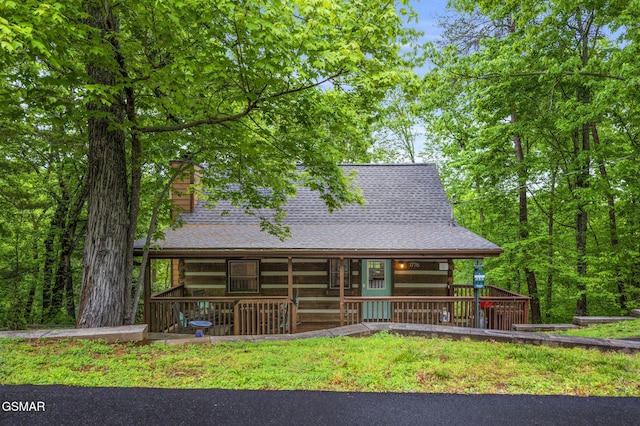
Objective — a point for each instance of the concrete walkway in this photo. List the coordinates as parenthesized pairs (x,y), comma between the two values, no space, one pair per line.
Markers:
(428,331)
(138,333)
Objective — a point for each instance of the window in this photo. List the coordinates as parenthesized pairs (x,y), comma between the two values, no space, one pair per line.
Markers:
(376,274)
(243,276)
(334,273)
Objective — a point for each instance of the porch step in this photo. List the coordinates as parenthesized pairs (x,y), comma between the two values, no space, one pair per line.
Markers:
(543,327)
(599,320)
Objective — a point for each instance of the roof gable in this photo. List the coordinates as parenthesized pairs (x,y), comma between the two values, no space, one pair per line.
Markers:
(406,213)
(399,194)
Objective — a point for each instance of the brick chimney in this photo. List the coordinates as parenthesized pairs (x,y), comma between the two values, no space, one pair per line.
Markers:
(183,196)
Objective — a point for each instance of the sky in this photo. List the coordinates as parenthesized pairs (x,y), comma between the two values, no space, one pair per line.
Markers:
(428,13)
(428,10)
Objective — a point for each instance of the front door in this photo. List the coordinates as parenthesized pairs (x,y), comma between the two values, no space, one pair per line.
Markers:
(377,283)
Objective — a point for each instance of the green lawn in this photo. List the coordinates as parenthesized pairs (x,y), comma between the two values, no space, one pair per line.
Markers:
(616,330)
(384,363)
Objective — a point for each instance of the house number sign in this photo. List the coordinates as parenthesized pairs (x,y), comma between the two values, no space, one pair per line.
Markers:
(415,265)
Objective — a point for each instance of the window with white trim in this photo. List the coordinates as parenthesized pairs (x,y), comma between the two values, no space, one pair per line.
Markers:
(243,276)
(334,273)
(376,274)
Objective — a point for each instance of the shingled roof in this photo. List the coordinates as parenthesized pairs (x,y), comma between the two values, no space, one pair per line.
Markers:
(406,213)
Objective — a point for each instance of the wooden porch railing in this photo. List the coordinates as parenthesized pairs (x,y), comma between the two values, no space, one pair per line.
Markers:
(177,291)
(409,310)
(172,314)
(502,308)
(228,315)
(264,316)
(463,290)
(170,311)
(497,313)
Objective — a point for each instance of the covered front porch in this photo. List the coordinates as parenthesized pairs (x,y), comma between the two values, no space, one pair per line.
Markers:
(172,311)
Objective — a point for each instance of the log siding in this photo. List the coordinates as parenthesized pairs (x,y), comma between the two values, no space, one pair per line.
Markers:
(310,286)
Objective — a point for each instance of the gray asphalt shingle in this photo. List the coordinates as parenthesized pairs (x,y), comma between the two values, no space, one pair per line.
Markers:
(406,209)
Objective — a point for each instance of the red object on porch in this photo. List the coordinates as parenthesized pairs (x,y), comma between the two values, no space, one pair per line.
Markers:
(484,305)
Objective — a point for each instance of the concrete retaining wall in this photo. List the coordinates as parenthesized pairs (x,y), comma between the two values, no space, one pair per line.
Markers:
(435,331)
(126,333)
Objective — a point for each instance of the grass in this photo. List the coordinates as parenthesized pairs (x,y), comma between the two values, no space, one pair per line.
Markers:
(381,363)
(617,330)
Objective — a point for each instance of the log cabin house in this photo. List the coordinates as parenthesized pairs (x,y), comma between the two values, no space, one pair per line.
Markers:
(389,260)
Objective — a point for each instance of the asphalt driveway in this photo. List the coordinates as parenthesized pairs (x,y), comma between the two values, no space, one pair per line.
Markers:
(63,405)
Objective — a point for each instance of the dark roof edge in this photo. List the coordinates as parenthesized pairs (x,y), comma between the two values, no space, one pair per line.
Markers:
(334,253)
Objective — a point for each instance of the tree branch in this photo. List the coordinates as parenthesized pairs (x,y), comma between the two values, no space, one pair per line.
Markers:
(197,123)
(238,116)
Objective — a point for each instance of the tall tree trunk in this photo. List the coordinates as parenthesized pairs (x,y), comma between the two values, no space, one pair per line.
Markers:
(51,253)
(582,183)
(523,232)
(550,253)
(70,303)
(28,310)
(74,230)
(613,227)
(57,293)
(64,277)
(134,205)
(103,299)
(153,225)
(582,152)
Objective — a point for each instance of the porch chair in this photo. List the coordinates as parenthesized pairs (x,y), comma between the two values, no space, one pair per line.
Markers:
(296,302)
(296,298)
(203,308)
(182,323)
(284,315)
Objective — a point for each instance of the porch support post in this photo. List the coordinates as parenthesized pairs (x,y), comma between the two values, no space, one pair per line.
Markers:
(292,312)
(341,272)
(290,278)
(147,293)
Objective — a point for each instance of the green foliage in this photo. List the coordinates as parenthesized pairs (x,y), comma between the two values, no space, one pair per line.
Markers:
(396,129)
(551,76)
(42,193)
(381,363)
(250,89)
(21,216)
